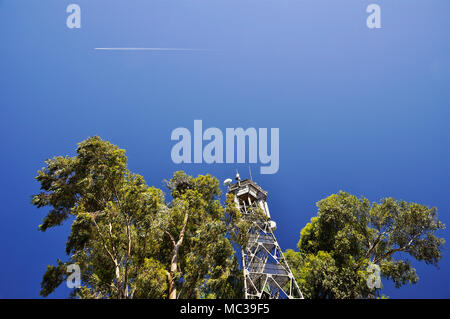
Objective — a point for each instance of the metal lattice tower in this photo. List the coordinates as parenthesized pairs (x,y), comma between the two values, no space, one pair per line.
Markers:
(266,272)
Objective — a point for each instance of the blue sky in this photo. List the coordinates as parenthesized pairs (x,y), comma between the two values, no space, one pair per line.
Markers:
(360,110)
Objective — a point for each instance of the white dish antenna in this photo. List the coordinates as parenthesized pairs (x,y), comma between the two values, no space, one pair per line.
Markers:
(227,182)
(272,225)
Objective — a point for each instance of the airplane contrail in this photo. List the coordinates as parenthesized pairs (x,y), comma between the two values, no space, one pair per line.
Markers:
(146,49)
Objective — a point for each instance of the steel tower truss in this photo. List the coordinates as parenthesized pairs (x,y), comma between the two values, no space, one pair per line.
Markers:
(266,272)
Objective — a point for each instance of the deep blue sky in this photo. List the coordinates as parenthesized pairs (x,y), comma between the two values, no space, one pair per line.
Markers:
(359,110)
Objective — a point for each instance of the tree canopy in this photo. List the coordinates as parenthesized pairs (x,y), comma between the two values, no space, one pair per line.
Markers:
(129,240)
(349,234)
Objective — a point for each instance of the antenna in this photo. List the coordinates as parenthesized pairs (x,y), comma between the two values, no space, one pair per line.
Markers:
(250,171)
(227,182)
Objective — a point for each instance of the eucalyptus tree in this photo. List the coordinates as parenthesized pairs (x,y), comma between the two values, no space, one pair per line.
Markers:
(127,238)
(351,241)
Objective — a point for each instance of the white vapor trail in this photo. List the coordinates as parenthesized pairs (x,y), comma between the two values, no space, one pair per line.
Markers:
(146,49)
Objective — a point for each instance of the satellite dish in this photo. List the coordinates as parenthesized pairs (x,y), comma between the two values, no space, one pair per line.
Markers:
(272,225)
(227,182)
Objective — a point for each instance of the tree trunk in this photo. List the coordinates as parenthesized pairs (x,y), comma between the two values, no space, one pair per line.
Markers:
(119,284)
(173,269)
(174,261)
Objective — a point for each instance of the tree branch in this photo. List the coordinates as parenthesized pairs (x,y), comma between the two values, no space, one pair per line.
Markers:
(114,260)
(170,237)
(389,253)
(377,240)
(127,261)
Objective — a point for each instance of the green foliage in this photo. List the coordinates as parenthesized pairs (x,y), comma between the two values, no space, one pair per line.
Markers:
(53,277)
(127,239)
(151,281)
(336,247)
